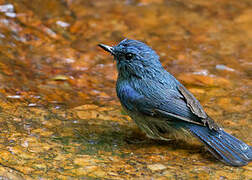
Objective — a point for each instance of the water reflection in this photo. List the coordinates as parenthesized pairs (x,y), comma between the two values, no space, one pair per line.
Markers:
(59,113)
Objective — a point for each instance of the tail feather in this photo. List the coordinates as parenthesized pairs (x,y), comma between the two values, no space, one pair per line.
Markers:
(241,147)
(223,146)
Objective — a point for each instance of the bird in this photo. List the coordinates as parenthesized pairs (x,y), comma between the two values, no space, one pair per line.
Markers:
(160,105)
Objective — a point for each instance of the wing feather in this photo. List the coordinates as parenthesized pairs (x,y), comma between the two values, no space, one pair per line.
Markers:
(171,110)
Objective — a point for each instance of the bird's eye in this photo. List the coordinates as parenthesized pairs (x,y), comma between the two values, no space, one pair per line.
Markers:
(129,56)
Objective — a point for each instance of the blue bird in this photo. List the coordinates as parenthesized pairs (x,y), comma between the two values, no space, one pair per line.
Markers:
(160,105)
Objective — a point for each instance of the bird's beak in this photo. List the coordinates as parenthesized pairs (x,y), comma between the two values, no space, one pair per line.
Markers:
(110,49)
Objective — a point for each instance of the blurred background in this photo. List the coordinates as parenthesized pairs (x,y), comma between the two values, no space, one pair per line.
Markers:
(59,114)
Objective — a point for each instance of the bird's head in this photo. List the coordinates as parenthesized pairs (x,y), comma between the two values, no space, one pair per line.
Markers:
(133,58)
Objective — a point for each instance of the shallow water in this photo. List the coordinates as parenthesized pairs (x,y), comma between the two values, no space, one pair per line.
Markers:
(59,114)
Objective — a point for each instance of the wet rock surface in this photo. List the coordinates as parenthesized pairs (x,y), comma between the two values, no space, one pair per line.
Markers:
(59,114)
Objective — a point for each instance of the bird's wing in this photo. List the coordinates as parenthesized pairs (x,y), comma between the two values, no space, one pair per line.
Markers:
(192,103)
(196,108)
(178,109)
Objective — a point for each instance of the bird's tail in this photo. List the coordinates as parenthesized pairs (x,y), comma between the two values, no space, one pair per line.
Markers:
(223,146)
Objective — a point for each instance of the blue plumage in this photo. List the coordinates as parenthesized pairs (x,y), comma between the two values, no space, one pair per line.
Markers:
(161,105)
(223,146)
